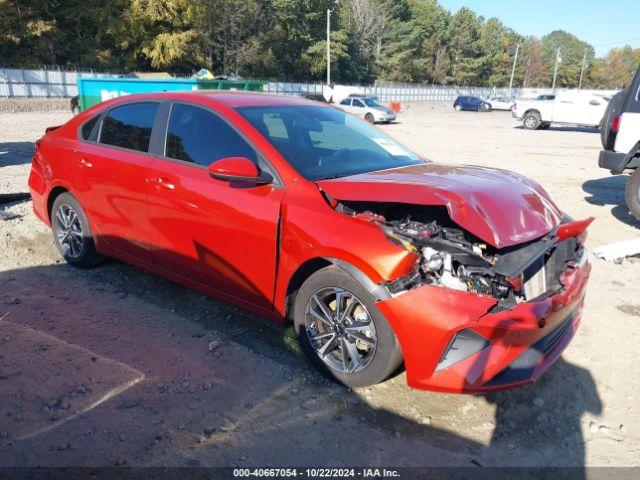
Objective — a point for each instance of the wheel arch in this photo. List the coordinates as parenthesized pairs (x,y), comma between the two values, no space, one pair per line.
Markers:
(532,110)
(309,267)
(51,198)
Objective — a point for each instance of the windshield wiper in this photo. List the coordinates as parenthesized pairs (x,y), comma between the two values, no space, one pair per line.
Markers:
(329,177)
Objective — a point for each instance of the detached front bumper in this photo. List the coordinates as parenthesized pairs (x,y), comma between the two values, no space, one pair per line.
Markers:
(517,345)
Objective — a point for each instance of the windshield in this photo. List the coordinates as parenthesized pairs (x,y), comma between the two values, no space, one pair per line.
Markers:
(324,142)
(370,102)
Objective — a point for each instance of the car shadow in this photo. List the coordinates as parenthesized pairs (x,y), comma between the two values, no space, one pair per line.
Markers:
(551,425)
(566,128)
(610,191)
(15,153)
(265,405)
(261,415)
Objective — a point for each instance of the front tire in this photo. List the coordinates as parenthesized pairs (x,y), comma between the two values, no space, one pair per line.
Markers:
(531,121)
(632,194)
(458,108)
(369,118)
(72,234)
(341,330)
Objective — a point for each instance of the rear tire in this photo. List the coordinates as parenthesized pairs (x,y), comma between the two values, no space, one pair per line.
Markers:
(632,194)
(364,332)
(531,120)
(458,108)
(72,234)
(607,137)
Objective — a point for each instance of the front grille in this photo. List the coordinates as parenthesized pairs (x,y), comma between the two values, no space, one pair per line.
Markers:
(544,273)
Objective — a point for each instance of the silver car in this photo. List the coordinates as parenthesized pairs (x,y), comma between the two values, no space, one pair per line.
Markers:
(369,108)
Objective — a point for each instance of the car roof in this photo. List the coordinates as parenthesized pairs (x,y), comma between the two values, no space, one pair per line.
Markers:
(230,98)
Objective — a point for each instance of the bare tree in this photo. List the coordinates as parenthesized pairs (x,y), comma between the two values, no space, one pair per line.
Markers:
(368,25)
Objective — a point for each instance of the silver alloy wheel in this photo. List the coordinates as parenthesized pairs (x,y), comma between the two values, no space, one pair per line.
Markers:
(340,329)
(69,231)
(530,121)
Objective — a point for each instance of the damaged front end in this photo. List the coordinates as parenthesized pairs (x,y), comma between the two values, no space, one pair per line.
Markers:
(471,317)
(450,257)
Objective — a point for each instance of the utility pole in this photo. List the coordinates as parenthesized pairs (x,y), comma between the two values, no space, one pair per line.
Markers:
(329,10)
(555,71)
(584,63)
(513,70)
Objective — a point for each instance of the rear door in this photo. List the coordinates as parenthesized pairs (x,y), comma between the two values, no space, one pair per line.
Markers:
(594,107)
(566,109)
(112,178)
(218,234)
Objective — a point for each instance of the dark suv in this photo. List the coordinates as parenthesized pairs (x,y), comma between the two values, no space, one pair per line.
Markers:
(473,104)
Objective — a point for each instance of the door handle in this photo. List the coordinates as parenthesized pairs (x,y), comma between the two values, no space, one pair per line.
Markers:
(86,163)
(162,183)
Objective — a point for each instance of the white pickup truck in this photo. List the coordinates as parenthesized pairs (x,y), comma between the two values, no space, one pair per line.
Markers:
(575,108)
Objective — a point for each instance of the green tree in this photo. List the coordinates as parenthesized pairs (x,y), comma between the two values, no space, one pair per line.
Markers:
(572,51)
(466,47)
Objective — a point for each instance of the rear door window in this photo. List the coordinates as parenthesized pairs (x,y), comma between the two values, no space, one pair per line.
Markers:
(87,128)
(198,136)
(129,126)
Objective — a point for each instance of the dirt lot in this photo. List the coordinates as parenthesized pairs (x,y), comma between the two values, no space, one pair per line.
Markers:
(113,366)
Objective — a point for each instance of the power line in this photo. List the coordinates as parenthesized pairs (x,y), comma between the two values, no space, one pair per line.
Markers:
(617,43)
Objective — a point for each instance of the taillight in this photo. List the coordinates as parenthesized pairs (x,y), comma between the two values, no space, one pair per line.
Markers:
(615,126)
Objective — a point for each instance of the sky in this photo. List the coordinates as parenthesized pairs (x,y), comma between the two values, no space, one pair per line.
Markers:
(603,24)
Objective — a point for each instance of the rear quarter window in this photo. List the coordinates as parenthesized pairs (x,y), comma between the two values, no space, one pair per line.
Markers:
(87,127)
(129,126)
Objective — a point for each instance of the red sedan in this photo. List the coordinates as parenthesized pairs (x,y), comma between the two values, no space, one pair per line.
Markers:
(300,212)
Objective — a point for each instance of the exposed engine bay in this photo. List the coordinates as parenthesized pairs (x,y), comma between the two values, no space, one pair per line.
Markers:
(453,258)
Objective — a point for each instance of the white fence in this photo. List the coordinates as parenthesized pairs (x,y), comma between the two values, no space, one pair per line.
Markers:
(390,92)
(18,82)
(52,83)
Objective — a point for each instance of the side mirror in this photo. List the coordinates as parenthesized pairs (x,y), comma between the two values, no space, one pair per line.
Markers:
(238,170)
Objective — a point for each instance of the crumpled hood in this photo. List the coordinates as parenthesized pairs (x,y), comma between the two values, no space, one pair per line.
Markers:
(501,208)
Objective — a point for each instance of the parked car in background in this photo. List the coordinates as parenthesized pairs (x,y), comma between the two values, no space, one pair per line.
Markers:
(318,97)
(303,213)
(368,108)
(546,97)
(575,108)
(473,104)
(501,103)
(620,135)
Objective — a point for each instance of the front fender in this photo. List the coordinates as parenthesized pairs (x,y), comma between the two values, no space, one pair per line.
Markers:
(317,231)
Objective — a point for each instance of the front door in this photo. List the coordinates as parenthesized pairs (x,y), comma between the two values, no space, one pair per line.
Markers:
(357,107)
(218,234)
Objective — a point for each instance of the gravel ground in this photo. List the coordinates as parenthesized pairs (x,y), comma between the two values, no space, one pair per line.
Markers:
(113,366)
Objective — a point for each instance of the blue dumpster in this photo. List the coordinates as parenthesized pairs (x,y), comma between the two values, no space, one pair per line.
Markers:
(96,90)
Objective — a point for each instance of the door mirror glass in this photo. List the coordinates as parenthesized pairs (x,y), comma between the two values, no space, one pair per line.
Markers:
(238,170)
